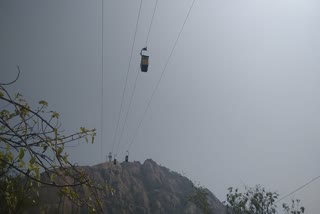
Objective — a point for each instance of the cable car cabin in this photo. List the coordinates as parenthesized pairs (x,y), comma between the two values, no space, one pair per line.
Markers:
(144,61)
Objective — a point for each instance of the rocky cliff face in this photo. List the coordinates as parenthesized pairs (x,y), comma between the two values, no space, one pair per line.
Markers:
(142,188)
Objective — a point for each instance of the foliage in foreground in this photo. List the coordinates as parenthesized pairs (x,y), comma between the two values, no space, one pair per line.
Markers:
(32,156)
(200,199)
(258,201)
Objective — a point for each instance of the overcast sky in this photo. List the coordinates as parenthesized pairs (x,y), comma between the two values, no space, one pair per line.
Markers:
(238,102)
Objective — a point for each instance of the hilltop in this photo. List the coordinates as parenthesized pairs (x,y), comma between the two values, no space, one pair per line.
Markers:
(140,188)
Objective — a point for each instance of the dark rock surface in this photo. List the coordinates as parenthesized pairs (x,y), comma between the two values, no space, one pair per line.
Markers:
(139,188)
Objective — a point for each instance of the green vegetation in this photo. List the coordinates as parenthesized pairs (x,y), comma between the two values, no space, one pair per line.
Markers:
(295,207)
(200,199)
(258,201)
(32,156)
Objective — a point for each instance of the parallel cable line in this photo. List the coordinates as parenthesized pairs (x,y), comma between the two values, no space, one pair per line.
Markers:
(126,117)
(102,67)
(161,76)
(125,86)
(154,11)
(135,82)
(296,190)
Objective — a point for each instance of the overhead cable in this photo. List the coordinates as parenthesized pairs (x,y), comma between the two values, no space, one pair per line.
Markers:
(296,190)
(102,67)
(161,76)
(154,11)
(135,82)
(125,86)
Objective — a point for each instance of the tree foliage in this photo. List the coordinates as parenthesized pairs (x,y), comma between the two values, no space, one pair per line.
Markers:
(295,207)
(200,199)
(257,200)
(32,156)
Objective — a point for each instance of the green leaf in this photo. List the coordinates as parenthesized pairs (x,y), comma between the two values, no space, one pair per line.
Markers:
(9,156)
(53,177)
(83,130)
(43,102)
(32,160)
(4,113)
(55,114)
(65,158)
(37,172)
(45,147)
(1,94)
(12,115)
(59,151)
(21,154)
(92,139)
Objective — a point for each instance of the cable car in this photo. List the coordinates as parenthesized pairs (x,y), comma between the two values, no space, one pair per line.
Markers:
(144,60)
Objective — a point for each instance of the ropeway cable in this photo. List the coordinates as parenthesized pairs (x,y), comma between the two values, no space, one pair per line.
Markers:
(296,190)
(125,86)
(135,82)
(102,67)
(161,76)
(154,11)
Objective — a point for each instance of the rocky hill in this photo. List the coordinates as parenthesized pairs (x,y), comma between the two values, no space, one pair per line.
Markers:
(142,188)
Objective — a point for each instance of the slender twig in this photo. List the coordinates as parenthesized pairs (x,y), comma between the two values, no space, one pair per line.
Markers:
(17,77)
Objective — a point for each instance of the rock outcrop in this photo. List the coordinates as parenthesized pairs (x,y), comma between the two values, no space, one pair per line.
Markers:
(140,188)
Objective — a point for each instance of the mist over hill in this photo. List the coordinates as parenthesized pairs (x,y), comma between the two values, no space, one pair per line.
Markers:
(139,188)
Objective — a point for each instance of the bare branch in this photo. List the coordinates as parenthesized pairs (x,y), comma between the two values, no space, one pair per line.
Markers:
(17,77)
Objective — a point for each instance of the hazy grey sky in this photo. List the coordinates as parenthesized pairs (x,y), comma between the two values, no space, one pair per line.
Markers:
(238,103)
